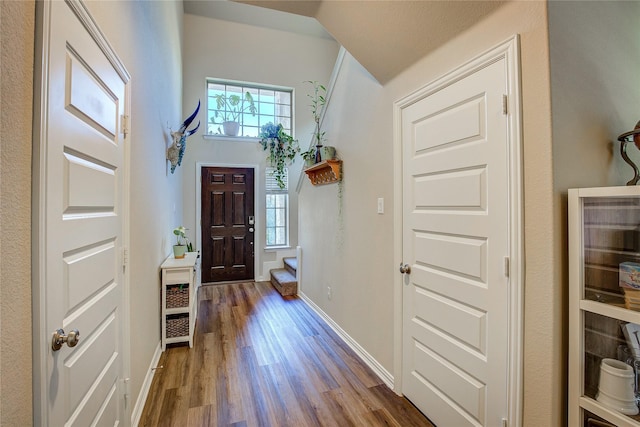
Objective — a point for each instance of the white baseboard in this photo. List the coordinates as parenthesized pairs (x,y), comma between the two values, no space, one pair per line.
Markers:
(146,386)
(369,360)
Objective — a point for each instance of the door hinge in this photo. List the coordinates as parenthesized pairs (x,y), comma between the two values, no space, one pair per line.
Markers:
(505,104)
(124,124)
(126,392)
(507,266)
(125,256)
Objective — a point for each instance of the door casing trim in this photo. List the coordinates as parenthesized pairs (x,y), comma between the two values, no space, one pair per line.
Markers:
(510,51)
(257,192)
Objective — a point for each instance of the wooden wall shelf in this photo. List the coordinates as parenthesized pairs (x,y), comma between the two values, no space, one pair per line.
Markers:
(325,172)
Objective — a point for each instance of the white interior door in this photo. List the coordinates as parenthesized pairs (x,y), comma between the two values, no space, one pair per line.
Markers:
(81,221)
(455,363)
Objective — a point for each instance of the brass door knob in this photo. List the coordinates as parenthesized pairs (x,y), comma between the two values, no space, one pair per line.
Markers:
(59,338)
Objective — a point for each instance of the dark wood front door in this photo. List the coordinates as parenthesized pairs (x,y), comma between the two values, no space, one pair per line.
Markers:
(227,224)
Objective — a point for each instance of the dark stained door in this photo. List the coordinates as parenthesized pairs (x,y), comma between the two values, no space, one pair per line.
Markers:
(227,234)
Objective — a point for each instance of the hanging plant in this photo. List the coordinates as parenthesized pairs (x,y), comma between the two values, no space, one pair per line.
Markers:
(282,149)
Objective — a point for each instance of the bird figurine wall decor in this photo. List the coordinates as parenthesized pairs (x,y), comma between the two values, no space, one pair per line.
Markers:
(176,150)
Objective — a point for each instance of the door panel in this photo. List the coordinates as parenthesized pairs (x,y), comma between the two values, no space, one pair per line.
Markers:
(455,237)
(227,236)
(82,161)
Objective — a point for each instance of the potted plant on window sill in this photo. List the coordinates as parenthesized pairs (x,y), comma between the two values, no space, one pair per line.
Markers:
(180,247)
(282,149)
(230,109)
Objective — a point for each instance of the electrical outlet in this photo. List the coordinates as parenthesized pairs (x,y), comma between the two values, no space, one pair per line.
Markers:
(329,292)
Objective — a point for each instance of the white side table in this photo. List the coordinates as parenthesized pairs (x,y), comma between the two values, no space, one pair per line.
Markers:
(179,298)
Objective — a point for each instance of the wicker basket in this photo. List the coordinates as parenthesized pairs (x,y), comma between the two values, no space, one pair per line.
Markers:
(177,297)
(632,299)
(177,325)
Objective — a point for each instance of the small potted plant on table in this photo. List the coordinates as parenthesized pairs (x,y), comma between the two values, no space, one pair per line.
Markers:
(180,247)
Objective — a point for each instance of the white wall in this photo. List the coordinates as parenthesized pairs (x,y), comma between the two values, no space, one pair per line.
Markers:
(353,250)
(148,38)
(229,50)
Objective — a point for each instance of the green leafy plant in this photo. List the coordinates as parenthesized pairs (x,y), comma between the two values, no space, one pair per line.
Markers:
(309,154)
(318,101)
(181,238)
(231,107)
(282,149)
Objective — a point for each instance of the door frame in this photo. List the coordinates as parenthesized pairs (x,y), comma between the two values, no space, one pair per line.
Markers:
(258,238)
(41,337)
(508,50)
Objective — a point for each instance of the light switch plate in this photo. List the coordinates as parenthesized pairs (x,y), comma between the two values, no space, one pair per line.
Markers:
(380,205)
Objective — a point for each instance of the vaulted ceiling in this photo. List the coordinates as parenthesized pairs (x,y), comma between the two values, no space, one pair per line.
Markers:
(385,36)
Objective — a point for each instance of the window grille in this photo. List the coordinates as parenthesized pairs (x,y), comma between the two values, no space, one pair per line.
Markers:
(272,104)
(277,210)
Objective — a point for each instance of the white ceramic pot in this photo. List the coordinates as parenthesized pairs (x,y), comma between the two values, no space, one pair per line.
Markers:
(616,388)
(231,128)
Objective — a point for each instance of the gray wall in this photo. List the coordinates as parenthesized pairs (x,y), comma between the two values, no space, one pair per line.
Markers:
(16,106)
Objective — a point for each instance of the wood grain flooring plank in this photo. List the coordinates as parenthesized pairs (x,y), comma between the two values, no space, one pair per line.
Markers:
(200,416)
(253,394)
(400,409)
(263,360)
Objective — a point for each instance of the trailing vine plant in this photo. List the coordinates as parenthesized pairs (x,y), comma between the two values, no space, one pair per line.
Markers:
(282,149)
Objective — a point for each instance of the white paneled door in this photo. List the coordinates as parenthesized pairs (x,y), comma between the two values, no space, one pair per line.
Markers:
(456,219)
(80,239)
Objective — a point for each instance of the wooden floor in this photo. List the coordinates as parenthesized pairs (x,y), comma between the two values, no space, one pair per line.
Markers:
(263,360)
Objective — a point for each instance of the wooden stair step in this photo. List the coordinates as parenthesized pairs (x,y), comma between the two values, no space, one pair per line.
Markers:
(291,264)
(284,281)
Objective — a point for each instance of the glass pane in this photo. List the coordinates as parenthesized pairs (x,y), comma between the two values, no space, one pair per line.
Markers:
(592,420)
(250,120)
(271,201)
(265,119)
(285,121)
(283,98)
(281,238)
(280,218)
(216,87)
(213,129)
(234,90)
(281,200)
(253,91)
(283,110)
(271,236)
(266,108)
(611,250)
(251,132)
(271,218)
(267,95)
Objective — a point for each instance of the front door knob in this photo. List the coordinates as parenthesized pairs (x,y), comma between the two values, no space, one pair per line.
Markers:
(59,338)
